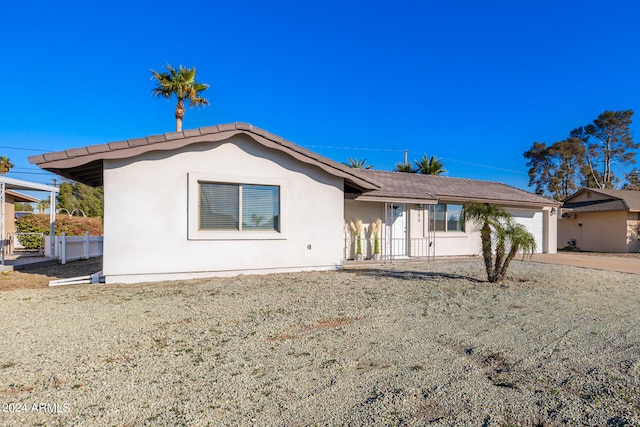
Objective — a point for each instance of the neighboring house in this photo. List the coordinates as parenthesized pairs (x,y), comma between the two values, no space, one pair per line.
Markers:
(233,199)
(10,214)
(594,219)
(7,209)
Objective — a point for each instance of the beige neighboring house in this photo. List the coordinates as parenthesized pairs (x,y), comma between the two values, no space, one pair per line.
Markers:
(10,199)
(601,220)
(235,199)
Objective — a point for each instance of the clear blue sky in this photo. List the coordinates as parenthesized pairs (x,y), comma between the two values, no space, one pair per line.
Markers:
(473,83)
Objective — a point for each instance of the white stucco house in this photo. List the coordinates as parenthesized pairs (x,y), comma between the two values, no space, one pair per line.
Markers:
(235,199)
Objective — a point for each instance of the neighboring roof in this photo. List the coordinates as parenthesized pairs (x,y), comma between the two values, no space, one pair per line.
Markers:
(399,186)
(22,198)
(18,184)
(616,200)
(85,164)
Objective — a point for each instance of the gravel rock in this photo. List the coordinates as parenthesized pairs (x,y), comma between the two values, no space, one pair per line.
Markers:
(402,344)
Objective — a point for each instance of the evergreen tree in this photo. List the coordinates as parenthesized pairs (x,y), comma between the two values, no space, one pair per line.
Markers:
(82,199)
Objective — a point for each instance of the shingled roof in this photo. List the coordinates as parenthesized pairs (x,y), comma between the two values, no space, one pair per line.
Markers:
(614,200)
(420,188)
(85,164)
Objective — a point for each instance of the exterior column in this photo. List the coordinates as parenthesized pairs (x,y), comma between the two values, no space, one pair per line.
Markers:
(2,219)
(52,224)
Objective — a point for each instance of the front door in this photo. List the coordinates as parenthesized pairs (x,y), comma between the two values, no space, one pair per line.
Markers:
(397,231)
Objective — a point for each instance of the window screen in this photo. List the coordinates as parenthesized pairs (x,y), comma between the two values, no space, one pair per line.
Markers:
(260,207)
(448,218)
(222,205)
(219,206)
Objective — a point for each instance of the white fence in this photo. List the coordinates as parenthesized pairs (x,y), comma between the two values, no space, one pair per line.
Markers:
(69,248)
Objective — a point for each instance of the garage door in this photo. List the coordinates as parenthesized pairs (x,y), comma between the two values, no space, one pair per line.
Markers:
(533,221)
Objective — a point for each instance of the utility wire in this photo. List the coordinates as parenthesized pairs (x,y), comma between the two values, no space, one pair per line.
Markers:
(414,152)
(23,149)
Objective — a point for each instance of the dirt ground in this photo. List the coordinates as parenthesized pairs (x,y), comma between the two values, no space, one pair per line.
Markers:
(39,277)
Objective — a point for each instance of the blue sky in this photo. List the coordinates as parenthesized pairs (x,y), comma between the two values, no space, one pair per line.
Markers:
(473,83)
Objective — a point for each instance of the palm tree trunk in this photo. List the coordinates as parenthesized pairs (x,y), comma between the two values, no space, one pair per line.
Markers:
(179,115)
(500,259)
(485,236)
(503,270)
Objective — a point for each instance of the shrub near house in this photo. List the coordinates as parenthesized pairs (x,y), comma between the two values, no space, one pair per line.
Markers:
(73,226)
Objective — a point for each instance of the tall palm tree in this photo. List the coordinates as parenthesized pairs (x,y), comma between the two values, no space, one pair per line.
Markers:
(405,167)
(357,164)
(511,238)
(182,83)
(430,166)
(5,165)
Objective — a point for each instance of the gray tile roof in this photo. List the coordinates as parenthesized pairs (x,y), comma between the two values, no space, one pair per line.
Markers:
(616,200)
(86,164)
(432,187)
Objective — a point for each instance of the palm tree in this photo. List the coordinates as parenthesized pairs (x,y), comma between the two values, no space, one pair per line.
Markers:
(405,167)
(497,224)
(430,166)
(357,164)
(5,165)
(182,83)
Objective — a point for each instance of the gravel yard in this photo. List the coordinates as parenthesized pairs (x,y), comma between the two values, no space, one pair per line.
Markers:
(403,344)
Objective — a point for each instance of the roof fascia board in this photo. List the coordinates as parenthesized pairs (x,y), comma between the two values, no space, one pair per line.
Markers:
(501,202)
(365,198)
(17,184)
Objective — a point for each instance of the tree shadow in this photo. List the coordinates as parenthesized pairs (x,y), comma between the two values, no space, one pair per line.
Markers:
(412,275)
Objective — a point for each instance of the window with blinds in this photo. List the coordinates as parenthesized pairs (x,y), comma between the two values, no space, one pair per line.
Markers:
(240,207)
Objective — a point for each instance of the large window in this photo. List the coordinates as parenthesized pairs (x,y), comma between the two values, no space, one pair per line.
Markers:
(239,207)
(236,207)
(448,218)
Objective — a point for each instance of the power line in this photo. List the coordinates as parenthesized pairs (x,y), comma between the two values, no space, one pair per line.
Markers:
(484,166)
(23,149)
(352,148)
(414,152)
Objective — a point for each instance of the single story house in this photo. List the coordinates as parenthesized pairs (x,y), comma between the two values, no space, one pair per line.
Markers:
(232,199)
(603,220)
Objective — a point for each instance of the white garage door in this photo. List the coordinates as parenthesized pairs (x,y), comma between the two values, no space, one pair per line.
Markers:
(533,220)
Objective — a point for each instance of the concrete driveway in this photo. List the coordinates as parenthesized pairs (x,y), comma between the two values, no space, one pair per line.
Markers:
(623,263)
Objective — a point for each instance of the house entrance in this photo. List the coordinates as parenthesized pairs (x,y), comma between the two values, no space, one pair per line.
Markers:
(397,230)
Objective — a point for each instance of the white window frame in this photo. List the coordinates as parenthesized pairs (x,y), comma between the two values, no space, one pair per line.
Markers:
(194,231)
(446,231)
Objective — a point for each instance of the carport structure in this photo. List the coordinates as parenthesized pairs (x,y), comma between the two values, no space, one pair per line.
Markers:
(16,184)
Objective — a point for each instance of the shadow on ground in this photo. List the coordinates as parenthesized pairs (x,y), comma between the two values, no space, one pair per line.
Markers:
(411,275)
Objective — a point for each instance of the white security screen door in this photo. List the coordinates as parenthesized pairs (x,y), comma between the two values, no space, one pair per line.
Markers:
(397,231)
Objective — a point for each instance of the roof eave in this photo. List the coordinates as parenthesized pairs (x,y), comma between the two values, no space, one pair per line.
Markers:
(65,163)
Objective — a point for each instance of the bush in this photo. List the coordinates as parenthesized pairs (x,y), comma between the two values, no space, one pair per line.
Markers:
(73,226)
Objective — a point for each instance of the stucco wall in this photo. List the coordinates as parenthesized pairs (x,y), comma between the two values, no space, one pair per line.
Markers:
(452,243)
(9,214)
(600,231)
(146,215)
(633,231)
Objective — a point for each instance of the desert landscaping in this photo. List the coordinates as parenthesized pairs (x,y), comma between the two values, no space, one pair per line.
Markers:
(396,344)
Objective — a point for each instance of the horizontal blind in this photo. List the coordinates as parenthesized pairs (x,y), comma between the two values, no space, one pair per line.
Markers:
(219,206)
(260,207)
